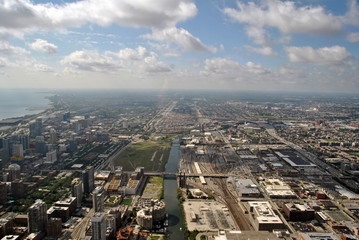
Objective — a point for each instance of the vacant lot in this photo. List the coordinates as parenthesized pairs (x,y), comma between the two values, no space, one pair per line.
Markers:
(143,155)
(153,188)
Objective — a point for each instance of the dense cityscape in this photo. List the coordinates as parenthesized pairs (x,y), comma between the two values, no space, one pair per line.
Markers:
(197,165)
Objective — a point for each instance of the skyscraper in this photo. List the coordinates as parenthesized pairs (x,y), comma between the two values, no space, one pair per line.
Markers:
(37,217)
(98,196)
(98,222)
(3,193)
(88,179)
(53,136)
(77,190)
(17,150)
(14,172)
(24,140)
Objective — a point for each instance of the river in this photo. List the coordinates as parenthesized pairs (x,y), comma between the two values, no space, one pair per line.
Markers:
(175,218)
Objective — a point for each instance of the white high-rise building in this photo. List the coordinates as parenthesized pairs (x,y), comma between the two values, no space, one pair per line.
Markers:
(98,196)
(77,190)
(51,157)
(98,222)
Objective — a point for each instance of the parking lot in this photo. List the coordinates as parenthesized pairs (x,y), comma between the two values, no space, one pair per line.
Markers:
(209,215)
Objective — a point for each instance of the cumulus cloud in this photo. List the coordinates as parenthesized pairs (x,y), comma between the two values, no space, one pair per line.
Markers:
(43,68)
(323,56)
(3,62)
(7,49)
(353,37)
(181,38)
(258,34)
(133,54)
(24,14)
(220,66)
(352,16)
(21,16)
(267,51)
(287,17)
(91,61)
(153,65)
(127,59)
(41,45)
(256,68)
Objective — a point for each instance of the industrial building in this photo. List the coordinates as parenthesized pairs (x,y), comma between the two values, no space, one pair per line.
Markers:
(276,188)
(246,188)
(263,217)
(298,212)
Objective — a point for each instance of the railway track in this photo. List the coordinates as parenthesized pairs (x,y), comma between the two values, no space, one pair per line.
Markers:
(233,207)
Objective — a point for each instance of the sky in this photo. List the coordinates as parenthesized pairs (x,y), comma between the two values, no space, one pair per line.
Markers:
(258,45)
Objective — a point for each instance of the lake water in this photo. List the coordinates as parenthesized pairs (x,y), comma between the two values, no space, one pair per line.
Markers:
(175,218)
(21,102)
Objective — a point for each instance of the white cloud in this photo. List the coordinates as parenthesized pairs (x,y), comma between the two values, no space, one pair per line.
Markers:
(352,16)
(7,49)
(220,66)
(287,17)
(133,60)
(3,62)
(18,17)
(323,56)
(24,14)
(256,68)
(133,54)
(353,37)
(43,68)
(180,37)
(153,65)
(258,34)
(91,61)
(41,45)
(267,51)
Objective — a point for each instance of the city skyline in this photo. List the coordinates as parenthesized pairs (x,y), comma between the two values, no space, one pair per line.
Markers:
(309,45)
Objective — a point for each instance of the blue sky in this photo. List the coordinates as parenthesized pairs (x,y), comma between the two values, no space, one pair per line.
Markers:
(304,45)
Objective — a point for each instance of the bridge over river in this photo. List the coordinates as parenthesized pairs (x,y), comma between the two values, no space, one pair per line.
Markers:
(171,174)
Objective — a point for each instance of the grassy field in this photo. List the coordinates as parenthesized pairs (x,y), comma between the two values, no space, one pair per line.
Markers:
(126,201)
(141,154)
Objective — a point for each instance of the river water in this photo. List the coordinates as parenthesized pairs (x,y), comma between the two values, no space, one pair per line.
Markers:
(175,218)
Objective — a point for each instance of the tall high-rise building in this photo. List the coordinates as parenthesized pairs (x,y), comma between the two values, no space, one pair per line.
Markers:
(98,197)
(32,129)
(38,123)
(3,193)
(53,136)
(35,128)
(41,146)
(73,145)
(88,179)
(37,217)
(77,190)
(53,228)
(5,143)
(25,141)
(98,223)
(17,150)
(14,172)
(17,188)
(51,157)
